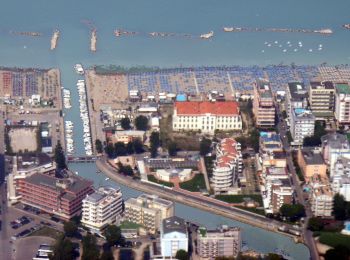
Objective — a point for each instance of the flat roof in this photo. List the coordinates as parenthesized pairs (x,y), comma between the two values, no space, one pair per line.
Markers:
(174,224)
(322,85)
(297,91)
(312,157)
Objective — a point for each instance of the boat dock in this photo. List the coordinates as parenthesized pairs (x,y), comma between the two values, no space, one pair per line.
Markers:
(93,40)
(81,159)
(54,39)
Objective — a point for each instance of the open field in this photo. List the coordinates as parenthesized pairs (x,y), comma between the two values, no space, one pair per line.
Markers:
(333,239)
(24,138)
(154,179)
(196,184)
(47,232)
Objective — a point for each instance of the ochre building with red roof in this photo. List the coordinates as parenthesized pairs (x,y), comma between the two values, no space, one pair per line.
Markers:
(206,116)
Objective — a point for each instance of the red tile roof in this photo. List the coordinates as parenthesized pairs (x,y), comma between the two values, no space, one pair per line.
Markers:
(230,152)
(204,107)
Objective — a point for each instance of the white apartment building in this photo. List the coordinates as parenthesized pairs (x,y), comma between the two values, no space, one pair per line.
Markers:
(321,200)
(296,97)
(206,116)
(302,124)
(334,146)
(148,211)
(224,242)
(227,167)
(340,180)
(342,103)
(173,236)
(101,208)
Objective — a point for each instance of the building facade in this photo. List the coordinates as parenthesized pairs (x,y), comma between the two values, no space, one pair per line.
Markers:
(321,99)
(59,196)
(148,211)
(206,116)
(302,124)
(227,167)
(263,105)
(342,103)
(224,242)
(173,236)
(101,208)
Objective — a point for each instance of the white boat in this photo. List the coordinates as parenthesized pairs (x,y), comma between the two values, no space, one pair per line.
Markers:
(207,35)
(79,69)
(228,29)
(107,179)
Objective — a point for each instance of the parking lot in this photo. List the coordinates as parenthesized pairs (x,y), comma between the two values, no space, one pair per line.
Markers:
(19,224)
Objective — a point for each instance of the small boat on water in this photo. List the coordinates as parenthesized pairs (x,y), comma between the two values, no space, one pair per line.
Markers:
(79,69)
(107,179)
(346,26)
(228,29)
(207,35)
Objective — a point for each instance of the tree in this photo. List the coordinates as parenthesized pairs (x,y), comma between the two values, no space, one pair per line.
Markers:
(109,149)
(292,212)
(120,149)
(63,249)
(172,148)
(70,228)
(155,143)
(126,170)
(315,140)
(141,123)
(90,250)
(338,253)
(138,146)
(99,146)
(205,146)
(130,147)
(315,224)
(182,255)
(107,255)
(60,159)
(339,207)
(125,123)
(273,256)
(113,235)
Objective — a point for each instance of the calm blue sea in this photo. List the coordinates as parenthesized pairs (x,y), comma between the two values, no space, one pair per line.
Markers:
(181,16)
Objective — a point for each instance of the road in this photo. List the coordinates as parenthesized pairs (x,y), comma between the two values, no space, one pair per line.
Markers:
(201,202)
(308,238)
(5,246)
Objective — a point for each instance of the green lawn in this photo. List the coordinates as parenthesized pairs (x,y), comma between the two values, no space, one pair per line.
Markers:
(47,232)
(239,198)
(254,210)
(154,179)
(129,225)
(334,239)
(196,184)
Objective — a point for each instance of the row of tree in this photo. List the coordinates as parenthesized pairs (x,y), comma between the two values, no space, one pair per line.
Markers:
(141,123)
(120,149)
